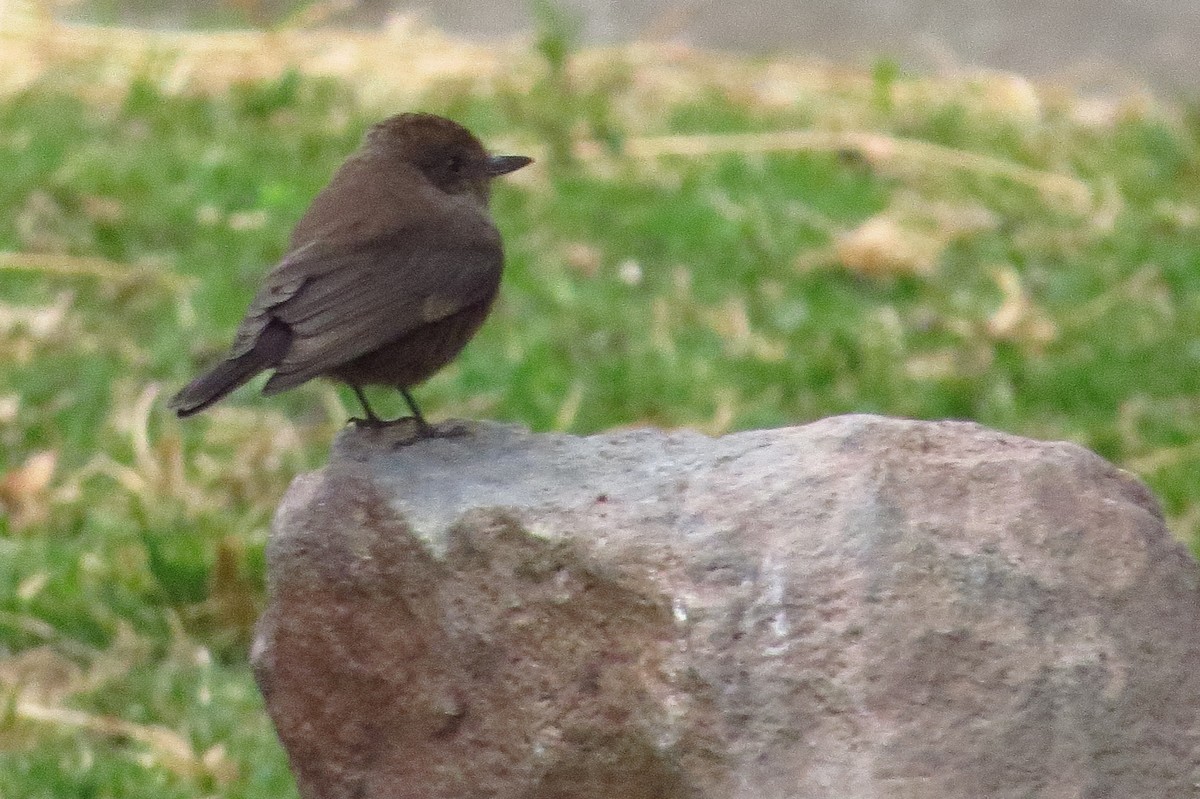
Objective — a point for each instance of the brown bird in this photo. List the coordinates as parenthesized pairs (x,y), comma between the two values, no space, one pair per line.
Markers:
(390,272)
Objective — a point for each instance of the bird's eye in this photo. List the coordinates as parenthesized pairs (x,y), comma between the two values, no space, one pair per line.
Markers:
(455,164)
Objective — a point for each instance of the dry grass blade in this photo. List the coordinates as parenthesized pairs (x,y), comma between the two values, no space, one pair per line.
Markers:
(1163,458)
(167,747)
(96,268)
(1019,319)
(876,148)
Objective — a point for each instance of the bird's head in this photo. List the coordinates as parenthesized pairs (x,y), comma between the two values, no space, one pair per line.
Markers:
(445,152)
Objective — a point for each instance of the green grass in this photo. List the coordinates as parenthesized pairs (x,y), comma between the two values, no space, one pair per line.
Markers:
(687,291)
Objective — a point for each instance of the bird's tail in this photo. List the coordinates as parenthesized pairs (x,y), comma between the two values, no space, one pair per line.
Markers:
(232,372)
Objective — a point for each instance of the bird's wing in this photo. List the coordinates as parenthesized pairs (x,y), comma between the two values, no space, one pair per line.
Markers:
(342,302)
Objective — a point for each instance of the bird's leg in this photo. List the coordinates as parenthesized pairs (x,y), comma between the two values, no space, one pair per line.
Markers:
(372,420)
(426,430)
(423,427)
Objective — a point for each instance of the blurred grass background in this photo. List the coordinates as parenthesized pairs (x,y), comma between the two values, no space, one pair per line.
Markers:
(705,242)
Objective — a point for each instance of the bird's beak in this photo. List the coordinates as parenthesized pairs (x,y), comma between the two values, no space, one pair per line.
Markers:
(503,164)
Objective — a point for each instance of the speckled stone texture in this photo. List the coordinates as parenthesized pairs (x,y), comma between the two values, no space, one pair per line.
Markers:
(860,607)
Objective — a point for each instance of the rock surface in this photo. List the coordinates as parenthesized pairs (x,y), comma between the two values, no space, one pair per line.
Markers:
(860,607)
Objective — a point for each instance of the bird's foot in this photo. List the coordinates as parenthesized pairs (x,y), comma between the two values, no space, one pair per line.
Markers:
(418,430)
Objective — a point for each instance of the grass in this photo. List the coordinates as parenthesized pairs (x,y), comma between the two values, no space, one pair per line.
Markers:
(963,248)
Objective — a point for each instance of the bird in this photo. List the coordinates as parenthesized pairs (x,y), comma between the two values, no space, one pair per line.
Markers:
(388,274)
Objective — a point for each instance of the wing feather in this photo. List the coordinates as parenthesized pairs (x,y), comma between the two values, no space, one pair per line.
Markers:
(342,302)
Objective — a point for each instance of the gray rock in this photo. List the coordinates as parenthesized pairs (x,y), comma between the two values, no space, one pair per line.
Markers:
(861,607)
